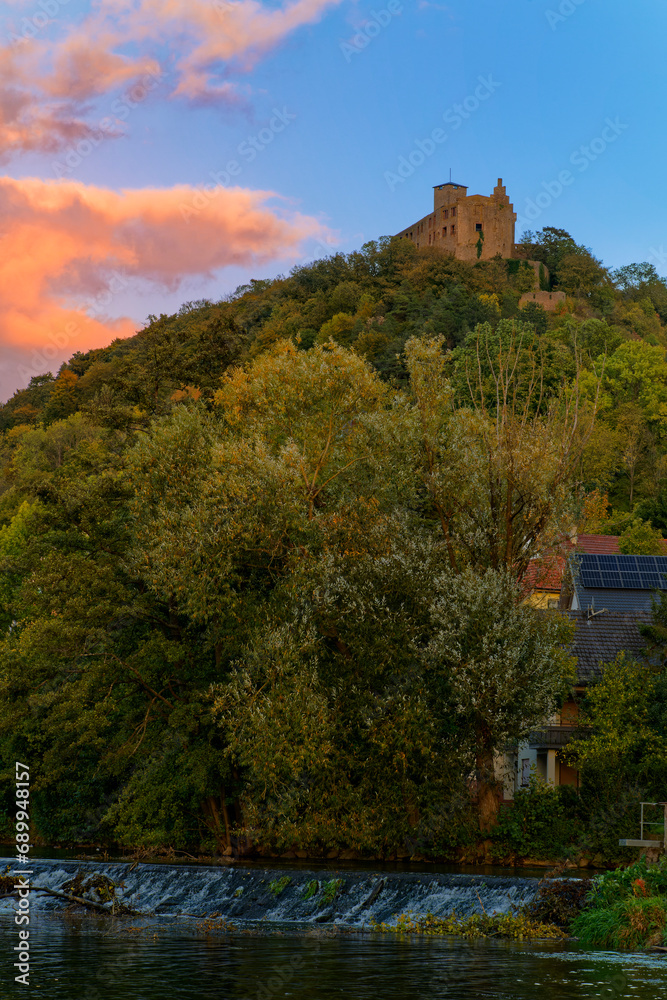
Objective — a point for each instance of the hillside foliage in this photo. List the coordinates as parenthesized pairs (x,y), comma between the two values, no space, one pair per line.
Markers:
(260,564)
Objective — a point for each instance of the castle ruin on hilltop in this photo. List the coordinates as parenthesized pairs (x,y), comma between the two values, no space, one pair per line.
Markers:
(476,227)
(472,227)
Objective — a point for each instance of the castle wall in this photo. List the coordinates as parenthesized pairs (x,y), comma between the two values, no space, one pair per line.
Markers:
(459,220)
(549,301)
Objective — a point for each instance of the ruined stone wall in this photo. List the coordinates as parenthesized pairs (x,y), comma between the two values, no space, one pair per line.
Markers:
(472,227)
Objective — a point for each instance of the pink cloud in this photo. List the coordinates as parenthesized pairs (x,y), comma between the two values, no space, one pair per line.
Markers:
(47,85)
(74,247)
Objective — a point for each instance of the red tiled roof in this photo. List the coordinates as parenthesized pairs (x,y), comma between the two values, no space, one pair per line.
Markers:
(546,573)
(604,545)
(599,545)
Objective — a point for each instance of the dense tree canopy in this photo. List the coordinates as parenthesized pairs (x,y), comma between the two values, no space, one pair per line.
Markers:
(259,564)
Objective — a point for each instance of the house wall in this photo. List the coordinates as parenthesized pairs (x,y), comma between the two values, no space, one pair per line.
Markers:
(544,599)
(545,763)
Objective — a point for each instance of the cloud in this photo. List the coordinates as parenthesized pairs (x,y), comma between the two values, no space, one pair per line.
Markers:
(49,84)
(74,248)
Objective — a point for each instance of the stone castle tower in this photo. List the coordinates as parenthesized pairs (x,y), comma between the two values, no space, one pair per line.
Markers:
(472,227)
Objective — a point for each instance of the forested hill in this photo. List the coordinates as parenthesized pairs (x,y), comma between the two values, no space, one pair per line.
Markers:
(253,558)
(373,301)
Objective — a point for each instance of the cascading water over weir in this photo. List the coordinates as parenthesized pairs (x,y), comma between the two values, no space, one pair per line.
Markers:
(283,896)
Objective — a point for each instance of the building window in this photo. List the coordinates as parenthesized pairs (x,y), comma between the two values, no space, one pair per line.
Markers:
(453,230)
(444,230)
(445,213)
(525,772)
(429,237)
(453,212)
(478,227)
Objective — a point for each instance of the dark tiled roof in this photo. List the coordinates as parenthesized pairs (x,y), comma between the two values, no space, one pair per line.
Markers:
(615,600)
(600,639)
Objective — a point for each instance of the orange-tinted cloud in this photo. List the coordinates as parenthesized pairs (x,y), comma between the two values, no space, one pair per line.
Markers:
(47,84)
(71,249)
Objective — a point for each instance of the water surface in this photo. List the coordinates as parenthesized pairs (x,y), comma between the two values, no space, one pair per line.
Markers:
(83,958)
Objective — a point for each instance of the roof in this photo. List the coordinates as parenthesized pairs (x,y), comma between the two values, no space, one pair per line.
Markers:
(450,184)
(545,574)
(599,544)
(624,572)
(618,582)
(599,640)
(604,544)
(599,598)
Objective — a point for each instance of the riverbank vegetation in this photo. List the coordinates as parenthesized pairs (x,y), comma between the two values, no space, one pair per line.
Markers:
(627,909)
(623,909)
(515,926)
(260,565)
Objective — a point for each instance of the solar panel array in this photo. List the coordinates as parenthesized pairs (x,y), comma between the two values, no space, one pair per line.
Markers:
(623,572)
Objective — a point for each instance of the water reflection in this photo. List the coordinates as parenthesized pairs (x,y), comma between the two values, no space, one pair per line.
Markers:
(80,959)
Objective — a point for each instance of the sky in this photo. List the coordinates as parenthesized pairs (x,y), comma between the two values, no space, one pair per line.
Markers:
(154,152)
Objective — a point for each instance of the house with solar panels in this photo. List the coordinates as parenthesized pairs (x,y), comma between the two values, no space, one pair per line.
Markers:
(608,597)
(613,582)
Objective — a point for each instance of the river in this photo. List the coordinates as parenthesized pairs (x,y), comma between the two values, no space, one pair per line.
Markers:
(291,952)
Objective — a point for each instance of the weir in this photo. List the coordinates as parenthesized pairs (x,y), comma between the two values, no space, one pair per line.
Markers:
(283,896)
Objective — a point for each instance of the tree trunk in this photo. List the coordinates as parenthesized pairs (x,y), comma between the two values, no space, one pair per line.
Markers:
(214,824)
(225,816)
(488,789)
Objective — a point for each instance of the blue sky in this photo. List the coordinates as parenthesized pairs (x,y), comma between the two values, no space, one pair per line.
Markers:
(576,86)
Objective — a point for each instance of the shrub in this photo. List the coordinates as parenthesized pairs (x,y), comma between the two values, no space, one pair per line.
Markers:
(559,900)
(518,926)
(628,908)
(542,823)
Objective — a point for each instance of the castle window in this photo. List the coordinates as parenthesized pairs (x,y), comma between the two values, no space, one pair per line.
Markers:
(444,230)
(453,212)
(445,213)
(453,230)
(478,227)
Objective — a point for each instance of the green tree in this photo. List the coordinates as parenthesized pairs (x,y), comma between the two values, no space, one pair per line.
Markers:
(641,539)
(624,747)
(488,643)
